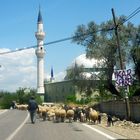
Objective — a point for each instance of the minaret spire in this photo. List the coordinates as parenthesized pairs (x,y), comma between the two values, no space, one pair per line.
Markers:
(51,72)
(52,75)
(39,16)
(40,52)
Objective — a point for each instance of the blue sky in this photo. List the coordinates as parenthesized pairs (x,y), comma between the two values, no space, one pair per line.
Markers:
(60,17)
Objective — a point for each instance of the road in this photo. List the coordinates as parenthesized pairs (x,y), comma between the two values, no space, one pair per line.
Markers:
(16,125)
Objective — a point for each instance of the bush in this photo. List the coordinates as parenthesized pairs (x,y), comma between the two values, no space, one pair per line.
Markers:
(6,100)
(20,97)
(71,98)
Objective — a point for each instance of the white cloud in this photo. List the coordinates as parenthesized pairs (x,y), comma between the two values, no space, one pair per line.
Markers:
(80,60)
(57,76)
(87,63)
(60,76)
(17,69)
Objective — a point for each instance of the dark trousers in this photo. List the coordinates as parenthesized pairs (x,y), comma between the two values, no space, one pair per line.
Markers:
(33,116)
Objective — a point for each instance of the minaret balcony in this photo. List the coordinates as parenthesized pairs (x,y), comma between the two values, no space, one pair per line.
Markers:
(40,53)
(40,35)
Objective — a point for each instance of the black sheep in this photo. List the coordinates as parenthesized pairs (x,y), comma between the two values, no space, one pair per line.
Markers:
(109,120)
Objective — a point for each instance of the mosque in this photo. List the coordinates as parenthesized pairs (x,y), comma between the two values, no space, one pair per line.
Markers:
(53,91)
(57,91)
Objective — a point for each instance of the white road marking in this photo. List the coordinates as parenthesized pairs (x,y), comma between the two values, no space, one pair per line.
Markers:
(100,132)
(16,131)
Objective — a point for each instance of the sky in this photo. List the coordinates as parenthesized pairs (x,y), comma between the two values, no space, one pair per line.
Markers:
(18,25)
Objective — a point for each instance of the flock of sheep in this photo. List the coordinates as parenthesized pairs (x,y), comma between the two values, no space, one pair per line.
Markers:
(62,113)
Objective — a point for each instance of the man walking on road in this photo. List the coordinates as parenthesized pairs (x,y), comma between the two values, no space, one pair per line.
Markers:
(32,107)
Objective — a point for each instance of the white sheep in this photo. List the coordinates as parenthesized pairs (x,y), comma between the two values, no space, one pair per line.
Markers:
(93,115)
(70,115)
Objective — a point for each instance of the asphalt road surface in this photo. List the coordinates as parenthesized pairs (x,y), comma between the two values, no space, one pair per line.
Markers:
(16,125)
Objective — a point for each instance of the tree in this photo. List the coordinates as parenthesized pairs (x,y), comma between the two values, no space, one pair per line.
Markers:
(100,43)
(6,99)
(80,80)
(135,53)
(23,96)
(74,72)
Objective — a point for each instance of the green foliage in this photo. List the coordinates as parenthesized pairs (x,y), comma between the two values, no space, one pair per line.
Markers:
(135,54)
(105,96)
(102,45)
(24,95)
(21,96)
(6,100)
(85,100)
(74,72)
(71,98)
(79,79)
(134,90)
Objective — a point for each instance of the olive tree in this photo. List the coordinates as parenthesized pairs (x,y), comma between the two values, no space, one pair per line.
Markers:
(100,43)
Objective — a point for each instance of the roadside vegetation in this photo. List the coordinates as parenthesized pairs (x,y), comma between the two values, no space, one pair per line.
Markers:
(21,96)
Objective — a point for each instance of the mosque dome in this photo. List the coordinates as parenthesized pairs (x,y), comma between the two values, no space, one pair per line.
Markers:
(86,62)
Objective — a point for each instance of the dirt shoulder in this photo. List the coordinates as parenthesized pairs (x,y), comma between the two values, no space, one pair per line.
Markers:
(125,128)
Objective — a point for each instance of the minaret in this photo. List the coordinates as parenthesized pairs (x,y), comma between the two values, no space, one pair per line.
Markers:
(52,75)
(40,52)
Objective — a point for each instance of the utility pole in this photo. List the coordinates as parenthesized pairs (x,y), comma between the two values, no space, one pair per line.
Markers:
(121,64)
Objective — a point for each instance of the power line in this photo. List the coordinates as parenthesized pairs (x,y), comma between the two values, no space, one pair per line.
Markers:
(56,41)
(135,12)
(69,38)
(17,50)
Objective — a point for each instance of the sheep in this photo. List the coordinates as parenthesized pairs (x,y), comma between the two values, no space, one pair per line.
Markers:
(82,117)
(51,115)
(77,113)
(93,115)
(57,115)
(42,112)
(62,114)
(70,115)
(21,107)
(99,118)
(109,120)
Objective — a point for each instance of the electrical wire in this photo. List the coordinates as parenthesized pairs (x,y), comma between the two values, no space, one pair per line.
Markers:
(135,12)
(56,41)
(132,14)
(17,50)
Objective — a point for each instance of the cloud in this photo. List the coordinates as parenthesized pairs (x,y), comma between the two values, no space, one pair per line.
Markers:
(80,60)
(60,76)
(17,69)
(57,76)
(87,63)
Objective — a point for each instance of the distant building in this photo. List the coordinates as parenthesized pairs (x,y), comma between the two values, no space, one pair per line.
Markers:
(58,91)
